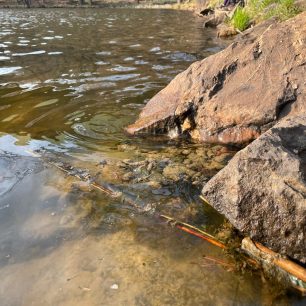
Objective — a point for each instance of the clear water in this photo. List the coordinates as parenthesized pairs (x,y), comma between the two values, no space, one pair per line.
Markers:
(70,81)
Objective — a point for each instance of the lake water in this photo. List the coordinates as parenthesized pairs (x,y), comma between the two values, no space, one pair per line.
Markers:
(70,81)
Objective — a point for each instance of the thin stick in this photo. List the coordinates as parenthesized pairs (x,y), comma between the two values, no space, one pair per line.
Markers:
(212,241)
(203,199)
(188,225)
(94,184)
(219,261)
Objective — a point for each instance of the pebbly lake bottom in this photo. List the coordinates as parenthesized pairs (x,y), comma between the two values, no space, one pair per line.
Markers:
(70,81)
(64,243)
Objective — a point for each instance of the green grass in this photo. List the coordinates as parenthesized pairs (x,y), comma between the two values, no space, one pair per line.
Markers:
(240,19)
(258,10)
(284,9)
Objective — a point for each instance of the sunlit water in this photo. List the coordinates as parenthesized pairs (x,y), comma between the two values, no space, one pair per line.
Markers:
(70,81)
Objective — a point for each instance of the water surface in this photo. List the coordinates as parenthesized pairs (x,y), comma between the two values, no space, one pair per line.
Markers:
(70,81)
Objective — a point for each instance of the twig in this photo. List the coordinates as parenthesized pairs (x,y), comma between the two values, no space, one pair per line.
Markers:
(195,231)
(219,261)
(188,225)
(93,184)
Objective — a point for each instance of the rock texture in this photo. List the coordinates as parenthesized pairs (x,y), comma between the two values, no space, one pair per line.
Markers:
(225,30)
(236,95)
(262,191)
(213,20)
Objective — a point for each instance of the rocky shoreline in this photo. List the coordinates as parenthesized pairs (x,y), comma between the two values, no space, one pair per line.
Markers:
(254,89)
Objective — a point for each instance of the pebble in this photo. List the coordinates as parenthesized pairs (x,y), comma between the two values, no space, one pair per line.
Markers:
(185,152)
(150,167)
(162,191)
(114,287)
(103,162)
(127,177)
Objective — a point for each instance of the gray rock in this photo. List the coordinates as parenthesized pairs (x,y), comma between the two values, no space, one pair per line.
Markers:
(162,191)
(262,191)
(128,176)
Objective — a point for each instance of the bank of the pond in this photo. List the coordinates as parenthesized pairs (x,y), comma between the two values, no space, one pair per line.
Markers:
(231,18)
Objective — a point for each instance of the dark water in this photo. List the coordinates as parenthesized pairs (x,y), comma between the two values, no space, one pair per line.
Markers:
(90,71)
(70,81)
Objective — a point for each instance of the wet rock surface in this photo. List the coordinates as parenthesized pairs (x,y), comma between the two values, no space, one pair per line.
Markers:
(236,95)
(262,191)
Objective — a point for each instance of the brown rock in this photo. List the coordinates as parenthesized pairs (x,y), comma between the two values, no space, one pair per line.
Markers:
(234,96)
(225,30)
(300,4)
(262,191)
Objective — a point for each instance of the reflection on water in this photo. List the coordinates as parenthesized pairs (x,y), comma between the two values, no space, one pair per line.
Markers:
(70,80)
(100,67)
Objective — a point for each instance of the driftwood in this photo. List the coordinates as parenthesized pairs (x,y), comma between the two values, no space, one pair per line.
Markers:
(274,264)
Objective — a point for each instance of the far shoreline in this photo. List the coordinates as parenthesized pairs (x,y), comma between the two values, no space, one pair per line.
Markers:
(122,5)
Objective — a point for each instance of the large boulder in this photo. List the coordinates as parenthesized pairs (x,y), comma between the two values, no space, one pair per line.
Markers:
(237,94)
(262,191)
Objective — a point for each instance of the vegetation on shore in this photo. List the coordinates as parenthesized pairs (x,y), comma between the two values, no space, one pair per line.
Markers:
(255,11)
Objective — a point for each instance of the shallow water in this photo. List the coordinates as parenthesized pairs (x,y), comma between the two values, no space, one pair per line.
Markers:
(70,80)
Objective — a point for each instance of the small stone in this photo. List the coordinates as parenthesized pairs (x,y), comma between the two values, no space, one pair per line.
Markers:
(103,162)
(127,177)
(150,167)
(114,287)
(162,191)
(187,125)
(185,152)
(126,147)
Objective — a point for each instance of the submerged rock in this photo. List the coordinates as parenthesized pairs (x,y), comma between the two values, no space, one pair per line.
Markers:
(262,191)
(234,96)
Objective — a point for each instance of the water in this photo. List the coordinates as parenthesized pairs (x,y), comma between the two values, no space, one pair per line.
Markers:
(70,81)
